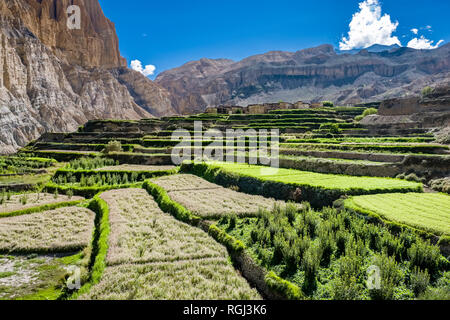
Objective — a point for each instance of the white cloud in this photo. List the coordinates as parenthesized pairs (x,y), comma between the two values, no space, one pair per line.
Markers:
(415,30)
(369,27)
(149,70)
(423,43)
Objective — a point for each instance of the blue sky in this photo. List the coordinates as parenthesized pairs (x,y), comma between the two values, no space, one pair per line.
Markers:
(167,34)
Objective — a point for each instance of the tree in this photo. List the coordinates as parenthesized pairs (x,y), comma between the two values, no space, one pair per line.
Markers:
(427,91)
(328,104)
(113,146)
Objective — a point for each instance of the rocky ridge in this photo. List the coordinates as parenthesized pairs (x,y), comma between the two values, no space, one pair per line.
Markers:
(314,74)
(54,79)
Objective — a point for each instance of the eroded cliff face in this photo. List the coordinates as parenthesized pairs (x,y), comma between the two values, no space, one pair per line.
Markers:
(314,74)
(54,79)
(431,111)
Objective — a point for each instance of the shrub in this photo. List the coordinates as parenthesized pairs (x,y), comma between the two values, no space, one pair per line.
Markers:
(414,177)
(427,91)
(367,112)
(441,185)
(311,263)
(441,294)
(113,146)
(333,128)
(425,256)
(24,199)
(328,104)
(90,163)
(391,277)
(346,289)
(419,281)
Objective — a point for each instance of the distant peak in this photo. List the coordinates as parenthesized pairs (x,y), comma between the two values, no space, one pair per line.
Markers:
(324,48)
(375,48)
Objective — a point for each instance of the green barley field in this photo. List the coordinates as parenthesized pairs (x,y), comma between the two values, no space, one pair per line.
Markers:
(428,211)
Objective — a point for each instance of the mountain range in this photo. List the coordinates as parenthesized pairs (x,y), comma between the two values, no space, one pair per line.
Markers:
(54,79)
(312,75)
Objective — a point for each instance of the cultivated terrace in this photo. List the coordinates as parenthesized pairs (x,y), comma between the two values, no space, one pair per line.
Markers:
(106,208)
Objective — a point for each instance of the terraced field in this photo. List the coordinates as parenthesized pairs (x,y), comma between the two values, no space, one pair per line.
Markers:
(175,261)
(319,189)
(429,212)
(62,230)
(38,240)
(195,194)
(327,181)
(148,242)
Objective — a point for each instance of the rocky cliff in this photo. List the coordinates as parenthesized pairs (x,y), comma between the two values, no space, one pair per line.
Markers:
(53,78)
(314,74)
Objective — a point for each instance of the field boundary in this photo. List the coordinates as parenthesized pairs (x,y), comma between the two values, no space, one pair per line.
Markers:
(45,207)
(168,205)
(87,192)
(99,246)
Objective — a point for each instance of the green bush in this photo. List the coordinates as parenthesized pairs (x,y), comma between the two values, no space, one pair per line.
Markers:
(113,146)
(328,104)
(391,276)
(327,252)
(346,289)
(427,91)
(419,281)
(425,256)
(367,112)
